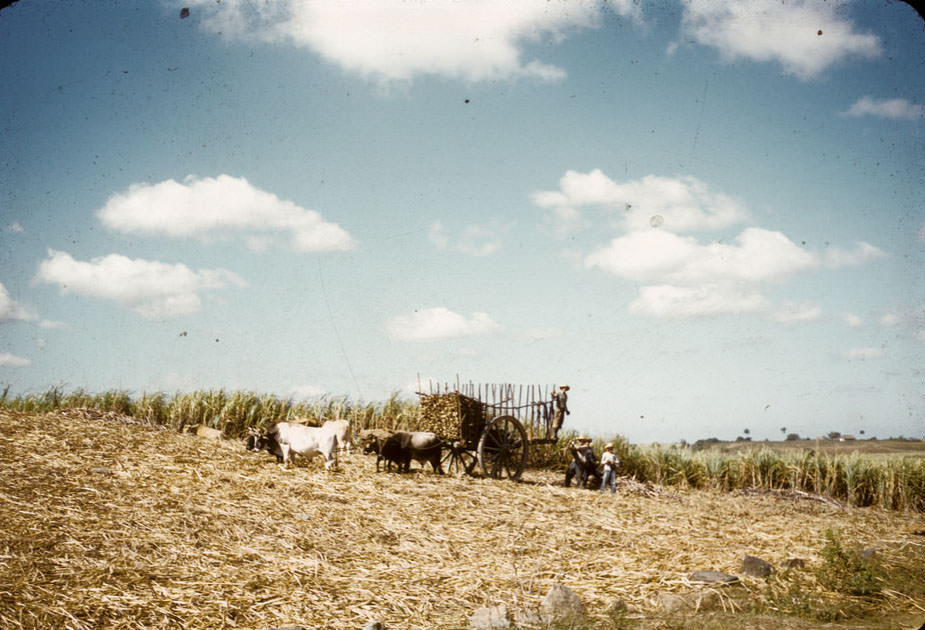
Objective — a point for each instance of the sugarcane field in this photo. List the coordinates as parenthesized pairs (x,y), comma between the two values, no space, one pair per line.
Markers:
(115,520)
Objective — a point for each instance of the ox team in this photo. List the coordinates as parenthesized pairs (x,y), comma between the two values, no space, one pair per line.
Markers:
(285,440)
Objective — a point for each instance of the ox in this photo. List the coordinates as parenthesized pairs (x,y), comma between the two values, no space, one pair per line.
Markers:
(286,440)
(403,446)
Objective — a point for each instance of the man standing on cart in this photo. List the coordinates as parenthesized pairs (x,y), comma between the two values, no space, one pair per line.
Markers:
(560,402)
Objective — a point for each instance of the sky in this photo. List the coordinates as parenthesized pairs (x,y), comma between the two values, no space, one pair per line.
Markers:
(705,217)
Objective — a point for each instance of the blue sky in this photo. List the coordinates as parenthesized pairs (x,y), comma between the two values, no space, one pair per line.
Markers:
(703,216)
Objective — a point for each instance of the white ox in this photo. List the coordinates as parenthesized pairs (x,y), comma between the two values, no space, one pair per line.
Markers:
(287,440)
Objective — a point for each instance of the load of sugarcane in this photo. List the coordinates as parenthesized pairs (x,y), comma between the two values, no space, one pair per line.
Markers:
(453,416)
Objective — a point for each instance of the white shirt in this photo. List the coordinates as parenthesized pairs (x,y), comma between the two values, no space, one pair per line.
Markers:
(609,459)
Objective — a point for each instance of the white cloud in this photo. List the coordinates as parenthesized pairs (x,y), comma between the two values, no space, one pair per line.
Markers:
(863,252)
(792,313)
(852,320)
(152,289)
(474,240)
(438,323)
(862,354)
(697,301)
(890,319)
(920,235)
(679,204)
(11,360)
(477,40)
(805,36)
(218,208)
(757,256)
(15,228)
(11,310)
(893,108)
(683,276)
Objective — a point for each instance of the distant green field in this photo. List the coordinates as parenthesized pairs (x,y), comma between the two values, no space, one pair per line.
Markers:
(889,447)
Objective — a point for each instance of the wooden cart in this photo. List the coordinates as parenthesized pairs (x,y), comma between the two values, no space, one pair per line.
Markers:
(490,426)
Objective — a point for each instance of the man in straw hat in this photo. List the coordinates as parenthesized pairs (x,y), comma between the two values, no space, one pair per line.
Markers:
(610,462)
(583,464)
(560,401)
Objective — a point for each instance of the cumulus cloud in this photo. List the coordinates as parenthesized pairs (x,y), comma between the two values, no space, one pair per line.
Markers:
(892,108)
(152,289)
(438,323)
(474,240)
(11,310)
(805,36)
(11,360)
(690,278)
(684,276)
(676,204)
(862,354)
(477,40)
(219,208)
(757,255)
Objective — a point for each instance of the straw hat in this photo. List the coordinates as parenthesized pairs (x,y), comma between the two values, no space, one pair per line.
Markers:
(564,387)
(608,445)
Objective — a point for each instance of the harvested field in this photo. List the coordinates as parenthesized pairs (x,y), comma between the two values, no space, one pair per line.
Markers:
(113,524)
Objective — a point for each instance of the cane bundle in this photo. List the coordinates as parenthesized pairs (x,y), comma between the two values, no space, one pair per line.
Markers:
(453,416)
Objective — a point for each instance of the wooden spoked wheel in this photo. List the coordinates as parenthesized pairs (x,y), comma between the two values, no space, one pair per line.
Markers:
(457,460)
(502,448)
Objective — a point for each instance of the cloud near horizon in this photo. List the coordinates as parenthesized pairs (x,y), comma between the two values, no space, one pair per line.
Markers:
(438,323)
(219,208)
(394,40)
(806,37)
(152,289)
(9,359)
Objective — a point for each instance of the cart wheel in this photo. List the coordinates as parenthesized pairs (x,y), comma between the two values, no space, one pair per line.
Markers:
(457,461)
(502,448)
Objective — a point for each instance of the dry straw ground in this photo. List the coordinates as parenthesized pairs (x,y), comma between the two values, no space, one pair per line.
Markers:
(108,524)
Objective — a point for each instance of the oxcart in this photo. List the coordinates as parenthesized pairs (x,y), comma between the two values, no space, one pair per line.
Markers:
(489,426)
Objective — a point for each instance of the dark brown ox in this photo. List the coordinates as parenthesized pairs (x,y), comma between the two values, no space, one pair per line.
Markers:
(403,446)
